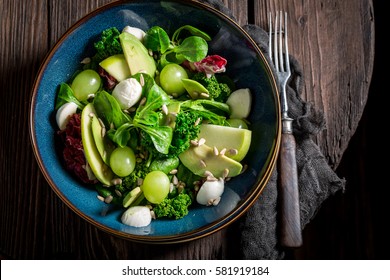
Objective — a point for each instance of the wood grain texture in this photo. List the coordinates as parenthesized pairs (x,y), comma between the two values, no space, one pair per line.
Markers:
(333,41)
(337,69)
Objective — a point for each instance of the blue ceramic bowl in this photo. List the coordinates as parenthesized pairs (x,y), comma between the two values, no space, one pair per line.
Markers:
(246,64)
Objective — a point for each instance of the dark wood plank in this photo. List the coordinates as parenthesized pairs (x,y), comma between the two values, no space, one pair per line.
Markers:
(333,41)
(22,48)
(35,224)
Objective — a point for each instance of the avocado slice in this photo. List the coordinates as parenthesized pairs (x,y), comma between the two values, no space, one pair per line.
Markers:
(102,171)
(103,144)
(116,66)
(230,138)
(199,159)
(136,54)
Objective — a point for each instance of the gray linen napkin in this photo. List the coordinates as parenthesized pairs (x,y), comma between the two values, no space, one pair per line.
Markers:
(316,180)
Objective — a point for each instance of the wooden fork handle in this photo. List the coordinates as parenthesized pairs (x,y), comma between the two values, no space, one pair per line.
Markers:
(290,228)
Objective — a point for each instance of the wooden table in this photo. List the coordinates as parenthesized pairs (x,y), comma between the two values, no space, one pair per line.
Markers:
(333,40)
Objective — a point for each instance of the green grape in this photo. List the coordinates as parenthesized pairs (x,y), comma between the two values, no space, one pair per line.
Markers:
(122,161)
(170,79)
(156,186)
(238,123)
(85,83)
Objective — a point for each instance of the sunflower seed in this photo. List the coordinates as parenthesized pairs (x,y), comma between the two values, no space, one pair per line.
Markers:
(171,187)
(116,181)
(142,80)
(108,199)
(180,188)
(222,152)
(173,171)
(100,198)
(86,60)
(153,214)
(204,95)
(194,143)
(164,108)
(215,151)
(244,168)
(225,173)
(143,101)
(202,163)
(101,122)
(118,193)
(211,179)
(103,132)
(175,180)
(197,122)
(201,141)
(208,173)
(91,115)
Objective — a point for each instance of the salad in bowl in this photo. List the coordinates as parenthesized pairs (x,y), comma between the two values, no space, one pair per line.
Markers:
(156,121)
(152,122)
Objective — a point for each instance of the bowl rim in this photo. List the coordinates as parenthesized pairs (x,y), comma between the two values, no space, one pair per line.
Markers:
(198,233)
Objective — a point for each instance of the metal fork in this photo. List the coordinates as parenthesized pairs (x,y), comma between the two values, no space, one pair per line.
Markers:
(290,234)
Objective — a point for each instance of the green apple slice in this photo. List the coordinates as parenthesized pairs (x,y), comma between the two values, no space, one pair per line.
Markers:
(236,141)
(102,171)
(240,103)
(199,159)
(116,66)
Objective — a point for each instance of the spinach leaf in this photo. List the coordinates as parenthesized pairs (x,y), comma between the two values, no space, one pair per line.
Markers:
(65,95)
(169,57)
(109,110)
(209,109)
(121,136)
(192,49)
(148,116)
(180,47)
(206,103)
(156,98)
(160,135)
(156,39)
(192,30)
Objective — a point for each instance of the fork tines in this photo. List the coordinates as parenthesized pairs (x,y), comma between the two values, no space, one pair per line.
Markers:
(280,33)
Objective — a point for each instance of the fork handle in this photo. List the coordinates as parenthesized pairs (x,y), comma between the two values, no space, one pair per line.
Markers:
(290,230)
